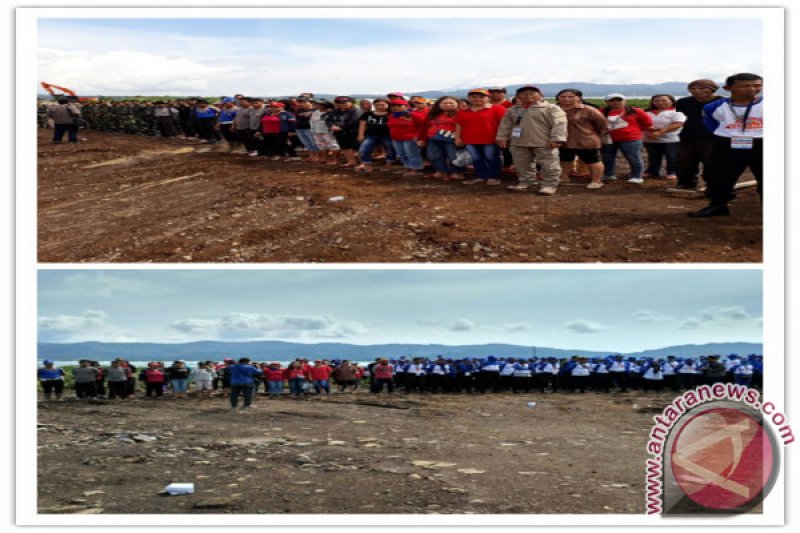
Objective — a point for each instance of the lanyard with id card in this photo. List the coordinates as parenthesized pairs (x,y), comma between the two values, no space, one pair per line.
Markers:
(739,142)
(516,131)
(742,142)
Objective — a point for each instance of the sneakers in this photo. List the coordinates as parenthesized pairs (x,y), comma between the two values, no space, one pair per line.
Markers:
(521,187)
(547,191)
(711,211)
(672,177)
(637,181)
(609,178)
(252,154)
(595,185)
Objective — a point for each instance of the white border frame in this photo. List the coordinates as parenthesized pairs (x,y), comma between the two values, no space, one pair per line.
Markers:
(26,265)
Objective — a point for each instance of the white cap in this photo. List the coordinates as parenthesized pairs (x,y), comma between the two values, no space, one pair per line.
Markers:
(615,95)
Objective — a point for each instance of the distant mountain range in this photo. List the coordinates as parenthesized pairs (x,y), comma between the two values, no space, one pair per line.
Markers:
(287,351)
(590,90)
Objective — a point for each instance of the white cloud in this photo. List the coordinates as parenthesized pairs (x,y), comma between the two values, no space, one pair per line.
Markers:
(517,327)
(240,326)
(584,326)
(125,71)
(92,324)
(651,316)
(463,324)
(691,323)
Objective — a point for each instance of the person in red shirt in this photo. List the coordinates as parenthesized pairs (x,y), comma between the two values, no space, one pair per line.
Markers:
(320,375)
(438,135)
(626,127)
(153,377)
(404,129)
(296,374)
(276,126)
(383,373)
(419,104)
(476,129)
(499,96)
(273,377)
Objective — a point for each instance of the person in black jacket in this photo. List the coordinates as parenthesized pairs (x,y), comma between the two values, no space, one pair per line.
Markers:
(695,140)
(343,122)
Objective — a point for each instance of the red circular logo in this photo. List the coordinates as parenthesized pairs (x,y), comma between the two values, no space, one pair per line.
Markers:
(722,458)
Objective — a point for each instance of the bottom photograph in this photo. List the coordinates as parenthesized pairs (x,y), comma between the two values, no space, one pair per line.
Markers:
(463,391)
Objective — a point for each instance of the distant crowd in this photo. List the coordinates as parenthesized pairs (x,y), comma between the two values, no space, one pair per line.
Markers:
(302,378)
(543,143)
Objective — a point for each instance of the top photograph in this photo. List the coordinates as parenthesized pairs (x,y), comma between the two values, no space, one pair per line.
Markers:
(354,136)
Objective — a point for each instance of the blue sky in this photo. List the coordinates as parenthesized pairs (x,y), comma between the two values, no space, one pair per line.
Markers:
(287,56)
(616,310)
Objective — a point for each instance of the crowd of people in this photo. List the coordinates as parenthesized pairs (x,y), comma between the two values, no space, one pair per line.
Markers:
(544,143)
(302,378)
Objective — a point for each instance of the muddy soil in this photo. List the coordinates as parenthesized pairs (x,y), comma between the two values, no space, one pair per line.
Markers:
(122,198)
(352,453)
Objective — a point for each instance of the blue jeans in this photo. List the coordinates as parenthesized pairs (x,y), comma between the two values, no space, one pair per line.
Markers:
(322,384)
(486,160)
(245,390)
(296,385)
(631,151)
(307,138)
(408,153)
(441,155)
(368,146)
(179,385)
(657,151)
(275,388)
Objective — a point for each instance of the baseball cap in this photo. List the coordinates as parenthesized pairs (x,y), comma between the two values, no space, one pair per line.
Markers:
(496,90)
(615,96)
(277,104)
(342,99)
(47,362)
(398,101)
(484,92)
(528,88)
(396,93)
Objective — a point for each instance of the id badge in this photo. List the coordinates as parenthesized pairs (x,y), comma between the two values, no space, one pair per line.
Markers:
(741,143)
(516,133)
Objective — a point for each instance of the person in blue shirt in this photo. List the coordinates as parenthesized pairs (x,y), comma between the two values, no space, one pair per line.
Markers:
(206,121)
(52,379)
(243,378)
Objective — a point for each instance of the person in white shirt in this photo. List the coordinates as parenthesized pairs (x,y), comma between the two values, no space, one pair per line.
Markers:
(203,377)
(580,375)
(652,377)
(662,139)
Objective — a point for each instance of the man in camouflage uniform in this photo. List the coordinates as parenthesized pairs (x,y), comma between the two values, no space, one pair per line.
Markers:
(41,116)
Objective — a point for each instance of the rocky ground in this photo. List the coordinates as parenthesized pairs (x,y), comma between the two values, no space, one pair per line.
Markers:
(353,454)
(126,198)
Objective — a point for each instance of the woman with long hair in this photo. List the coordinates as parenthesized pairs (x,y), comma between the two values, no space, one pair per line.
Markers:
(438,134)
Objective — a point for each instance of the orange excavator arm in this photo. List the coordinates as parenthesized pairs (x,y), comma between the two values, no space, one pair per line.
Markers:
(49,88)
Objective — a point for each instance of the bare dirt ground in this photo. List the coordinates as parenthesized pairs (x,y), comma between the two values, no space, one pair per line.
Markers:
(121,198)
(353,454)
